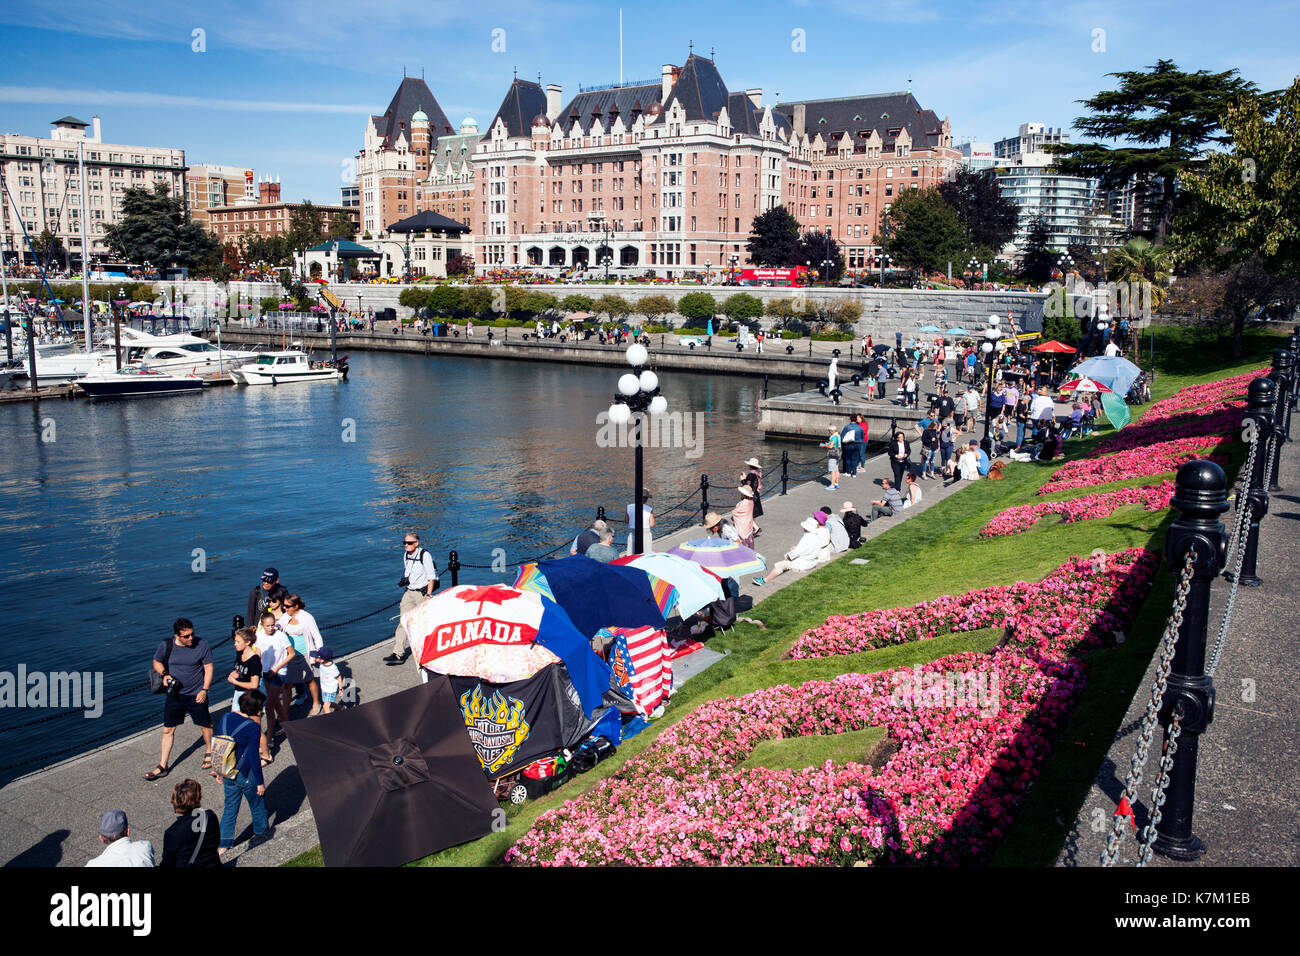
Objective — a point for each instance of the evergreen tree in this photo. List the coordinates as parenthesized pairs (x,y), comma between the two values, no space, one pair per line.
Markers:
(697,307)
(156,228)
(49,250)
(975,196)
(774,239)
(341,227)
(817,247)
(1165,116)
(1037,259)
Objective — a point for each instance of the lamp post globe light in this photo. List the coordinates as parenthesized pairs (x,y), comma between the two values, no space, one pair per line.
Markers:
(989,348)
(708,271)
(1064,263)
(638,393)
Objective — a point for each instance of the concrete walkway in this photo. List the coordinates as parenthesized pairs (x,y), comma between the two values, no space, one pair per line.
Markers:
(1249,757)
(51,817)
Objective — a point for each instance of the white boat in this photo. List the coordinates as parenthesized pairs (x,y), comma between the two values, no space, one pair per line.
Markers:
(167,353)
(280,368)
(136,380)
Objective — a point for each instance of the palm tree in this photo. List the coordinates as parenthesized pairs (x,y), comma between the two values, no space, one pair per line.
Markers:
(1140,260)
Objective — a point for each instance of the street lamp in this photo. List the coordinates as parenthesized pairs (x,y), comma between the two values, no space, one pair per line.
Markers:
(708,271)
(117,327)
(1064,263)
(734,260)
(827,265)
(638,392)
(989,348)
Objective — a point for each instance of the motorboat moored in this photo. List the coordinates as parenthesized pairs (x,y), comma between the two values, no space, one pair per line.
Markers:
(281,368)
(135,380)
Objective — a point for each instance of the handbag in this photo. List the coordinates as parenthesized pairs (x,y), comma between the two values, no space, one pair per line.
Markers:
(156,685)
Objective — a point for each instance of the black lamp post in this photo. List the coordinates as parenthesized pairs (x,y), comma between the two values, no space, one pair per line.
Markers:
(708,271)
(735,261)
(638,392)
(989,348)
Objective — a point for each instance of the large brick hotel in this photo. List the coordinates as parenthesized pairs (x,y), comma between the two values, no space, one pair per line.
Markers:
(663,176)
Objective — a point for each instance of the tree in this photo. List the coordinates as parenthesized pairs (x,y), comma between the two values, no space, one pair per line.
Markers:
(306,227)
(1063,328)
(1138,261)
(1169,115)
(157,228)
(475,301)
(1239,210)
(925,231)
(577,303)
(774,239)
(615,306)
(743,307)
(975,196)
(1037,260)
(444,300)
(818,247)
(459,265)
(341,227)
(697,307)
(655,307)
(49,250)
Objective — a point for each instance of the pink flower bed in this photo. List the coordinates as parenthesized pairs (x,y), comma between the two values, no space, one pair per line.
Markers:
(1221,418)
(1154,459)
(946,796)
(1072,590)
(1196,396)
(1099,505)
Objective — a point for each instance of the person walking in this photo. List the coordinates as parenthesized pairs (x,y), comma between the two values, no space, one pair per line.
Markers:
(882,376)
(832,374)
(185,663)
(849,446)
(277,652)
(328,674)
(947,440)
(247,783)
(193,839)
(260,596)
(647,522)
(832,443)
(742,516)
(754,478)
(929,449)
(900,457)
(247,674)
(419,581)
(300,627)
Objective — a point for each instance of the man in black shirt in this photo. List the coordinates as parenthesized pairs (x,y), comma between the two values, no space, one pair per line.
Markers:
(186,665)
(260,596)
(946,406)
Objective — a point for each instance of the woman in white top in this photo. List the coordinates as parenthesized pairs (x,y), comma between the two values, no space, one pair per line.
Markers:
(968,465)
(300,627)
(276,653)
(647,522)
(912,496)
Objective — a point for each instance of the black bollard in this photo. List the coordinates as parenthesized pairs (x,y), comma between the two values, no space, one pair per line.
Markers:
(785,471)
(704,495)
(1200,496)
(1259,409)
(453,565)
(236,623)
(1293,346)
(801,380)
(600,513)
(1283,365)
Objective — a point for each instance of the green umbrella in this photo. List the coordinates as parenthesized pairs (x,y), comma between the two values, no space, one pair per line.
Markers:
(1116,409)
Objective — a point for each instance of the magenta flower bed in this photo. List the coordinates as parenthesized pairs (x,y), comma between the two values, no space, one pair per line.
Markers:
(1099,505)
(1153,459)
(1196,396)
(946,796)
(1074,588)
(1221,418)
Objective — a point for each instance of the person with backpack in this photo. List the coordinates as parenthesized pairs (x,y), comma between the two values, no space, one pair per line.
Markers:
(237,761)
(419,581)
(184,668)
(192,840)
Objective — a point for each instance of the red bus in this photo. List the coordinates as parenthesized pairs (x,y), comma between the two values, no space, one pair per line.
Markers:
(798,275)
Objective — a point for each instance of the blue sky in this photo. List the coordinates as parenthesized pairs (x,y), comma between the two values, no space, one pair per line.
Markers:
(285,87)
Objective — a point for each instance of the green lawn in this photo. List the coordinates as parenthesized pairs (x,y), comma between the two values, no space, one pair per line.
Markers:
(798,753)
(933,553)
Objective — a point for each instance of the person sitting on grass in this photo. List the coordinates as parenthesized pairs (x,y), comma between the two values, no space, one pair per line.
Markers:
(804,556)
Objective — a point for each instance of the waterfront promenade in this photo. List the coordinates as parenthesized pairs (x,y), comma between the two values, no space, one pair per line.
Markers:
(50,817)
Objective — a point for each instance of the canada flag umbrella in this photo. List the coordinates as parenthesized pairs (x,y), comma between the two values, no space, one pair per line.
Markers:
(1083,385)
(393,779)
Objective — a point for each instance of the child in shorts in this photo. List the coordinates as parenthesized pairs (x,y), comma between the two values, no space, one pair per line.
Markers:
(328,673)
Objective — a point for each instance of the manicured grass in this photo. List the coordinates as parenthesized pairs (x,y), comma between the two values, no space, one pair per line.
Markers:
(797,753)
(930,554)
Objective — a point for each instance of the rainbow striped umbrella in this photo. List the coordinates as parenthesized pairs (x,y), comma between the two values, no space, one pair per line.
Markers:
(724,558)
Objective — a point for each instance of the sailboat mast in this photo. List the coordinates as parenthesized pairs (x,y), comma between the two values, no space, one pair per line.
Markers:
(85,246)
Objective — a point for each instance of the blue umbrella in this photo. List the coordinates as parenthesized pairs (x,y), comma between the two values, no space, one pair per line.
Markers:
(597,595)
(929,328)
(1117,374)
(957,331)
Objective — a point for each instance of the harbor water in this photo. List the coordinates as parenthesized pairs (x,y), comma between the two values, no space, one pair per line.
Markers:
(119,516)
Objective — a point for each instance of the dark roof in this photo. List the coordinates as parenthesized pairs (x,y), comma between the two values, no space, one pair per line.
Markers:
(630,101)
(70,121)
(346,249)
(428,221)
(413,94)
(700,90)
(857,115)
(524,101)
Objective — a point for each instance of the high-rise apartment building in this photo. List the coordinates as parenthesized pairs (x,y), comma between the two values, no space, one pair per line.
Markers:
(208,186)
